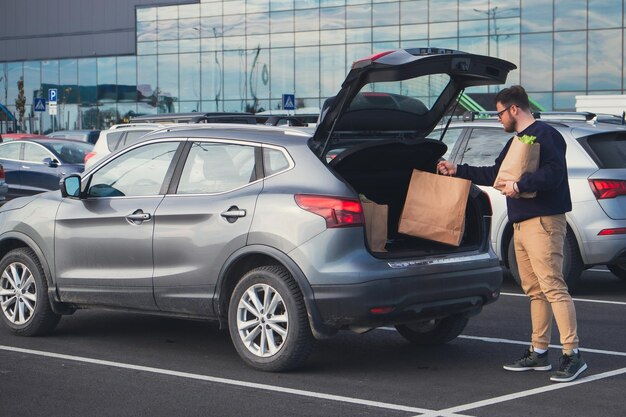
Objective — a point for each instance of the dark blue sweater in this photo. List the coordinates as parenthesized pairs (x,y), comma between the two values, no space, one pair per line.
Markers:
(549,181)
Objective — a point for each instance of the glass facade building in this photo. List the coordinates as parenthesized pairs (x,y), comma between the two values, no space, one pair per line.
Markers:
(242,55)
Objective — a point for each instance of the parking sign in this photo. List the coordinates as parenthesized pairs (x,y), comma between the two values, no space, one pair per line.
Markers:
(52,95)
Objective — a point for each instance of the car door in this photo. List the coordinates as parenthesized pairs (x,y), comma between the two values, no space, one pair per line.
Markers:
(37,176)
(103,241)
(202,221)
(10,160)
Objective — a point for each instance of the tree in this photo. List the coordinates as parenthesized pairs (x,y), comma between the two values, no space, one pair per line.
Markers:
(20,103)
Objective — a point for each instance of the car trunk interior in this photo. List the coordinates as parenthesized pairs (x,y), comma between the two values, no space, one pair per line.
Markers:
(381,171)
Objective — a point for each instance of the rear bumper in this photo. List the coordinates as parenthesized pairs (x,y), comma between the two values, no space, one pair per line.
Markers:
(408,298)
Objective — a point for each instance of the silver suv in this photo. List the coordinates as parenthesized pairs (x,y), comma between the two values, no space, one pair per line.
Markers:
(249,225)
(596,162)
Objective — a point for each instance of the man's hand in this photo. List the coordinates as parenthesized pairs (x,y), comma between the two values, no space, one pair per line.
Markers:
(446,168)
(509,189)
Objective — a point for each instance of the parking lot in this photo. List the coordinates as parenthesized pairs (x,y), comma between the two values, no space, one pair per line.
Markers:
(113,364)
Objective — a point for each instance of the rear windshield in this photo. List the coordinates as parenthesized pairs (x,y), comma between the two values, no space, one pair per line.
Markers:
(608,149)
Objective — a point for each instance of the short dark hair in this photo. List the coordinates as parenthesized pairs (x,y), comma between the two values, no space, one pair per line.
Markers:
(514,95)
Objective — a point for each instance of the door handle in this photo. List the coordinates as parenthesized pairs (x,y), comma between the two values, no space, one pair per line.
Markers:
(233,213)
(138,217)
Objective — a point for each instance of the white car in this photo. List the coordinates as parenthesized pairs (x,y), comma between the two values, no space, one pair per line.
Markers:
(118,137)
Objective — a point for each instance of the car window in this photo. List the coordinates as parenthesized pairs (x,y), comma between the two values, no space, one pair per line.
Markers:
(113,140)
(139,172)
(216,167)
(609,149)
(133,136)
(10,151)
(274,161)
(36,153)
(72,152)
(484,146)
(452,136)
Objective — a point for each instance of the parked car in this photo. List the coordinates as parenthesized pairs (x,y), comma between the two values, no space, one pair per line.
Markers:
(89,136)
(8,137)
(596,163)
(4,187)
(35,165)
(117,137)
(249,225)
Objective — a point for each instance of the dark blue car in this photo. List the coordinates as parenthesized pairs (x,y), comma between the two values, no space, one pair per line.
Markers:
(34,166)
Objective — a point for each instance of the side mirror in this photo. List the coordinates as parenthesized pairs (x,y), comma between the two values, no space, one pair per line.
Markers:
(70,186)
(52,163)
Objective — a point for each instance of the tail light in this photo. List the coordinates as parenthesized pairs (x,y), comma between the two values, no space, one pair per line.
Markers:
(604,189)
(338,212)
(2,177)
(89,156)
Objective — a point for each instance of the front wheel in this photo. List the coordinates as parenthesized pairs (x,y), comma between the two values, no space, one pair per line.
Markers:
(433,332)
(619,270)
(268,321)
(573,265)
(24,302)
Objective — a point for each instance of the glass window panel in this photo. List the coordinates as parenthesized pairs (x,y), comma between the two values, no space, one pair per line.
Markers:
(146,48)
(126,78)
(359,35)
(211,77)
(107,82)
(307,38)
(68,78)
(443,30)
(279,40)
(167,47)
(32,81)
(145,14)
(604,14)
(139,172)
(234,76)
(167,90)
(234,25)
(126,112)
(253,6)
(188,10)
(189,28)
(537,16)
(307,76)
(536,62)
(211,26)
(257,23)
(282,4)
(332,69)
(449,43)
(384,46)
(281,71)
(414,32)
(359,16)
(306,4)
(473,28)
(167,12)
(386,14)
(608,75)
(332,37)
(333,18)
(442,11)
(326,3)
(475,45)
(258,41)
(358,51)
(259,86)
(167,30)
(14,71)
(190,77)
(87,81)
(507,47)
(509,25)
(189,45)
(413,43)
(281,21)
(233,43)
(570,14)
(568,75)
(385,33)
(146,31)
(565,101)
(473,9)
(234,7)
(307,19)
(211,9)
(414,11)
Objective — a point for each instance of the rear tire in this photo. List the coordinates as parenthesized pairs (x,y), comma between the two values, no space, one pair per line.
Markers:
(619,270)
(24,304)
(573,265)
(268,321)
(433,332)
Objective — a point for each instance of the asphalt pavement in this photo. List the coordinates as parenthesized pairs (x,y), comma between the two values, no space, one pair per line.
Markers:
(100,363)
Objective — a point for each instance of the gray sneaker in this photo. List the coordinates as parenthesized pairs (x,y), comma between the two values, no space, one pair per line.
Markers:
(569,368)
(531,361)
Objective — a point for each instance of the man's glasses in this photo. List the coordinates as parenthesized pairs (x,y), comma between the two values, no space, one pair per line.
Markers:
(500,113)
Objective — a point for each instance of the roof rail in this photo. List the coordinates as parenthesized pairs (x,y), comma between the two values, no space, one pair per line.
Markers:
(564,115)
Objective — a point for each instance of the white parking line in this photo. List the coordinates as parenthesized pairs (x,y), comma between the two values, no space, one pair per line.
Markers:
(522,394)
(216,380)
(582,300)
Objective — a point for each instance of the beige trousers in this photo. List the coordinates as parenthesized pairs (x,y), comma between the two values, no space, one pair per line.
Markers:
(539,254)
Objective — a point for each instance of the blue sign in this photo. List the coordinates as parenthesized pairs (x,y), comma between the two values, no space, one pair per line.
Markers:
(40,104)
(289,101)
(52,95)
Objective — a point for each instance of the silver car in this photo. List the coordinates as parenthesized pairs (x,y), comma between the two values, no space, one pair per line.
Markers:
(250,226)
(596,163)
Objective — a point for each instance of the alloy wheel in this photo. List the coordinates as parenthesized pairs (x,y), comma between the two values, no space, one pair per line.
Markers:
(18,293)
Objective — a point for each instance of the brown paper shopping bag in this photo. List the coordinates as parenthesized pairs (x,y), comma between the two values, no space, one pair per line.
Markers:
(375,224)
(435,207)
(520,159)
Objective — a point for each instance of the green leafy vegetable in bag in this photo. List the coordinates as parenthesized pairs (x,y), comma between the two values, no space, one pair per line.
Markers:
(527,139)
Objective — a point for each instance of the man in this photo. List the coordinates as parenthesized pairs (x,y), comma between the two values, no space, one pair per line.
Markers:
(539,232)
